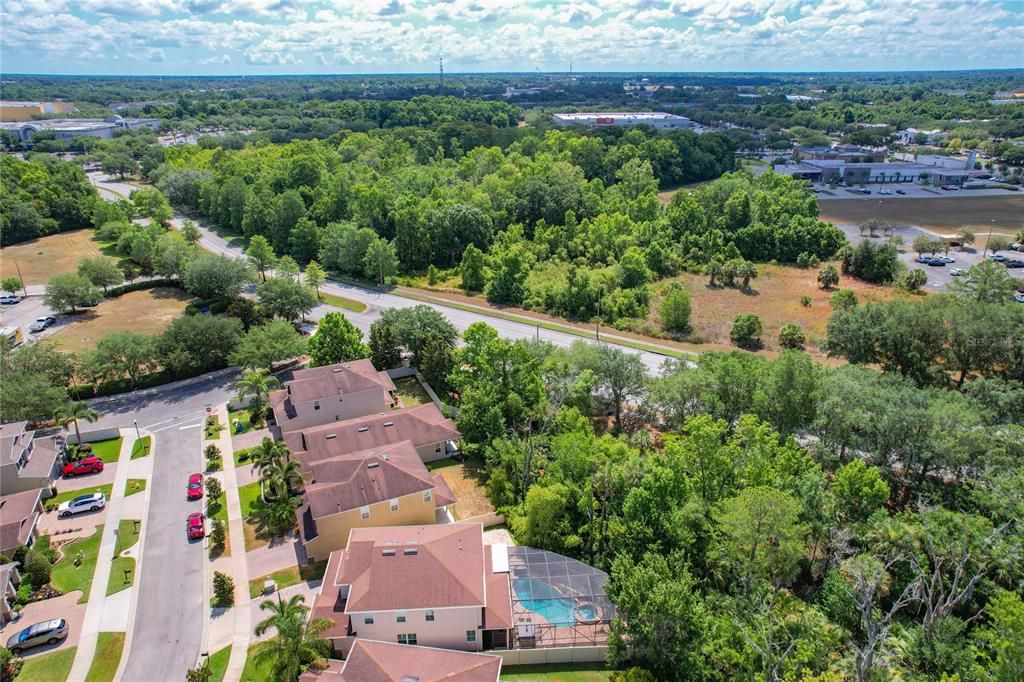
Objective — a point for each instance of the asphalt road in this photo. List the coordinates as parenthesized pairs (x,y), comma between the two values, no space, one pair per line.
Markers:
(169,621)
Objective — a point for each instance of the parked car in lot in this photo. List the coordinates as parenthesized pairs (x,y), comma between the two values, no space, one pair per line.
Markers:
(947,259)
(47,632)
(86,465)
(82,503)
(1014,263)
(195,486)
(195,525)
(1015,246)
(901,191)
(9,299)
(937,263)
(956,272)
(923,259)
(884,191)
(998,257)
(1019,296)
(42,323)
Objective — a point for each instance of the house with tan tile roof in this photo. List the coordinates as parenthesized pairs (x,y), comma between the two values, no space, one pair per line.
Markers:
(19,516)
(371,661)
(383,486)
(28,461)
(320,395)
(430,432)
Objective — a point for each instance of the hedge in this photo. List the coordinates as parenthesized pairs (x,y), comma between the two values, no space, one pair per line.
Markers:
(139,286)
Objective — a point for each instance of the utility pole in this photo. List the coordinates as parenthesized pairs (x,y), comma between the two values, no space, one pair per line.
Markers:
(24,290)
(991,226)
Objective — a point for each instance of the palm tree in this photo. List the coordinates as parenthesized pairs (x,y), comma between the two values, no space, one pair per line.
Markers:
(279,477)
(257,383)
(72,412)
(268,452)
(298,644)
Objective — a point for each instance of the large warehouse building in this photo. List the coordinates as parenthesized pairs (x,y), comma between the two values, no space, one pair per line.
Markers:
(68,128)
(655,119)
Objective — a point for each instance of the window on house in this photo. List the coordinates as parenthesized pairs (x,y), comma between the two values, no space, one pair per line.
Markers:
(437,448)
(399,617)
(316,404)
(426,496)
(430,616)
(470,635)
(364,512)
(394,504)
(368,620)
(407,639)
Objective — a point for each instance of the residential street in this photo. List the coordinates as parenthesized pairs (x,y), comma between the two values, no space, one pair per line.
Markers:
(169,620)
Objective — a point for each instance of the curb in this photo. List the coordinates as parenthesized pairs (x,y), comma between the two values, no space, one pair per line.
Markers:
(136,591)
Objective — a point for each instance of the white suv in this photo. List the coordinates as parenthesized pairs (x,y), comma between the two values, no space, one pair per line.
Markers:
(82,503)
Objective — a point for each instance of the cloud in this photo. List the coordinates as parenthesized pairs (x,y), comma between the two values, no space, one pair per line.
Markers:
(257,58)
(136,8)
(156,56)
(216,59)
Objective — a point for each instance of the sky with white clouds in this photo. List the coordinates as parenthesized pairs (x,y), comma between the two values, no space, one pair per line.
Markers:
(400,36)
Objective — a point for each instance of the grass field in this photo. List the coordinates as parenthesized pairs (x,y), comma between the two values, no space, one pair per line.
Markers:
(107,657)
(53,667)
(146,312)
(253,672)
(342,302)
(66,576)
(108,450)
(287,577)
(775,298)
(947,214)
(142,447)
(555,672)
(410,392)
(242,456)
(134,485)
(218,663)
(57,500)
(467,483)
(41,259)
(251,501)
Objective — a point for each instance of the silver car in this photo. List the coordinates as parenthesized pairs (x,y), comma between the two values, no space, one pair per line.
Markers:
(82,503)
(47,632)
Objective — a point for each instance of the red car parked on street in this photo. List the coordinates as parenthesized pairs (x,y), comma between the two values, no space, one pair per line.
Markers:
(196,526)
(195,486)
(86,465)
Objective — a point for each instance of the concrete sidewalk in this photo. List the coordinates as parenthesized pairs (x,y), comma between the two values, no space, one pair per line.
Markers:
(241,629)
(99,605)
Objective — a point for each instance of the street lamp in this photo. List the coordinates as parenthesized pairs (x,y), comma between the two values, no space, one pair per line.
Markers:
(991,226)
(136,423)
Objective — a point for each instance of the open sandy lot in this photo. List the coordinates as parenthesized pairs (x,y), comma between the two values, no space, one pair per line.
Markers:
(147,312)
(943,214)
(43,258)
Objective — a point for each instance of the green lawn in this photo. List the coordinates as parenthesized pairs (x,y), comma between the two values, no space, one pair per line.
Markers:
(250,499)
(217,509)
(242,417)
(108,450)
(213,427)
(219,664)
(410,392)
(127,536)
(108,655)
(134,485)
(341,302)
(253,672)
(142,447)
(287,577)
(66,576)
(555,672)
(53,667)
(441,463)
(60,498)
(242,456)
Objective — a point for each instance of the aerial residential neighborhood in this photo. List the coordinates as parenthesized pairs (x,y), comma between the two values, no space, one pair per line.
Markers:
(489,341)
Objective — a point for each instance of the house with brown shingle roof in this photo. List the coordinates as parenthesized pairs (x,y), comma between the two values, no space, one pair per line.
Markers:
(27,461)
(382,486)
(430,432)
(371,661)
(320,395)
(417,585)
(19,515)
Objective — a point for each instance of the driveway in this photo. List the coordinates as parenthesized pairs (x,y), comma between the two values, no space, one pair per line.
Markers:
(61,607)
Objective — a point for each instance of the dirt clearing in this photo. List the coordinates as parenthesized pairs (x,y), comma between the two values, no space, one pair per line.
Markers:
(41,259)
(945,215)
(147,312)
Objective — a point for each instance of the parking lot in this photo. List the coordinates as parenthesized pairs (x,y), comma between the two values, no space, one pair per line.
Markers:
(938,277)
(909,189)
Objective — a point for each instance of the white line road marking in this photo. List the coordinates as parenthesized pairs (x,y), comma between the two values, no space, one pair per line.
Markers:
(190,426)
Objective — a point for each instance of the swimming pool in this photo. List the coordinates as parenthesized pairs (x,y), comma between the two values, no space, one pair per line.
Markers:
(544,600)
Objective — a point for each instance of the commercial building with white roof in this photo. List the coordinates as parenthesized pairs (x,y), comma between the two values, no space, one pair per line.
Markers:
(655,119)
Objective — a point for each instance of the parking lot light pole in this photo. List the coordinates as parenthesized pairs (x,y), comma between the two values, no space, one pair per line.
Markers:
(991,226)
(137,434)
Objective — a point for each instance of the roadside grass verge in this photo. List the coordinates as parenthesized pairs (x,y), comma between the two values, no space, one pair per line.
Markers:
(134,485)
(66,576)
(219,664)
(257,672)
(217,509)
(122,570)
(342,302)
(55,667)
(212,427)
(109,646)
(287,577)
(142,447)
